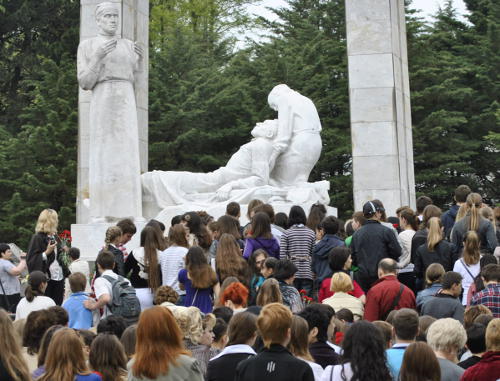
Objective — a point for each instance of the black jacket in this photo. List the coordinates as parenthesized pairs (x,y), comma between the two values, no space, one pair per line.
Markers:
(443,253)
(34,258)
(323,354)
(370,244)
(419,238)
(274,364)
(224,367)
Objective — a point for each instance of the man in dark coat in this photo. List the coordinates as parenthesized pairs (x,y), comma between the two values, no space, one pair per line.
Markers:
(372,243)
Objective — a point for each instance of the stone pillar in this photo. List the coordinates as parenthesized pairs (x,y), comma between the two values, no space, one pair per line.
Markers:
(379,95)
(134,20)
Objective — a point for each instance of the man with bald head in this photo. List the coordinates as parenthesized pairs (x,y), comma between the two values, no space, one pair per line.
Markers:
(387,293)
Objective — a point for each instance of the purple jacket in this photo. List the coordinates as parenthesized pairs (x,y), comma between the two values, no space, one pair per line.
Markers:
(270,245)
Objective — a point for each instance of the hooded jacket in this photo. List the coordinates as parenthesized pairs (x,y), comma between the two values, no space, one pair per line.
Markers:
(320,256)
(270,245)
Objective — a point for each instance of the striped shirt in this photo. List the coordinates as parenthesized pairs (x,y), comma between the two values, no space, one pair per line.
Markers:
(297,245)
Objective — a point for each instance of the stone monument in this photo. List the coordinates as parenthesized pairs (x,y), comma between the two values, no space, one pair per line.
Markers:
(113,117)
(273,167)
(379,96)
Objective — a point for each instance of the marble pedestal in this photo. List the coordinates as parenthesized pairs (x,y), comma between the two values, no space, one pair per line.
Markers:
(89,238)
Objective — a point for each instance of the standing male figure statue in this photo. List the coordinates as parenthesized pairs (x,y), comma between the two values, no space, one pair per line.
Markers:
(106,66)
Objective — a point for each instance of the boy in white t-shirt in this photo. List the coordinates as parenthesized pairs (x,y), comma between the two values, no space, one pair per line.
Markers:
(105,263)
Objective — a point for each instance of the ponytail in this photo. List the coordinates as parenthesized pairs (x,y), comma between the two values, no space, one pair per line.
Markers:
(112,233)
(36,278)
(474,202)
(471,253)
(435,234)
(30,293)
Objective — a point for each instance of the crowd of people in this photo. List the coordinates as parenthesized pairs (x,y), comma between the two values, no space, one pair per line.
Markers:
(300,296)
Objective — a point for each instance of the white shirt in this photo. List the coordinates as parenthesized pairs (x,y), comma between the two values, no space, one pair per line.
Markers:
(56,272)
(78,266)
(335,374)
(38,303)
(316,368)
(171,262)
(404,263)
(103,286)
(461,267)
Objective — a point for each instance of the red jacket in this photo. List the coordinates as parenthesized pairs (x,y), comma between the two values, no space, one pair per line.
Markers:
(487,369)
(382,295)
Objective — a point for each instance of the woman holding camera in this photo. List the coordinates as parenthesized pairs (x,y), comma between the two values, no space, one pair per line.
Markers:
(44,254)
(10,288)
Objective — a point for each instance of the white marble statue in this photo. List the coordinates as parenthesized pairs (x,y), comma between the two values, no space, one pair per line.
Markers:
(297,146)
(106,66)
(248,168)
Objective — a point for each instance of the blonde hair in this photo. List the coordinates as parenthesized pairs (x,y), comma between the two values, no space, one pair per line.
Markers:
(446,335)
(189,321)
(487,213)
(47,222)
(471,253)
(269,292)
(341,282)
(273,323)
(10,355)
(208,322)
(112,233)
(493,335)
(435,234)
(462,211)
(474,202)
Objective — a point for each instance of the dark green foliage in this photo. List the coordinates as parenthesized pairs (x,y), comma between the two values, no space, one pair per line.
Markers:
(454,84)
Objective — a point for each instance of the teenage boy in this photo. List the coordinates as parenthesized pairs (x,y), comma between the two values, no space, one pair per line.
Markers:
(79,316)
(446,303)
(275,362)
(404,331)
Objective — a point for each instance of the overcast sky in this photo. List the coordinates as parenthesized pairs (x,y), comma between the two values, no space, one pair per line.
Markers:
(428,7)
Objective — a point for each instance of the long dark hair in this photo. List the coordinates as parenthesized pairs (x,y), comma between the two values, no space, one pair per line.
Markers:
(194,223)
(261,226)
(316,215)
(200,272)
(151,244)
(296,216)
(364,348)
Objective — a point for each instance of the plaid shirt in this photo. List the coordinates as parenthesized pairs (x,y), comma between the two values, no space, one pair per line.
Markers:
(489,297)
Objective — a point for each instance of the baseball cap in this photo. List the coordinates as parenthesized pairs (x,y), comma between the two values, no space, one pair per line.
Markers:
(370,208)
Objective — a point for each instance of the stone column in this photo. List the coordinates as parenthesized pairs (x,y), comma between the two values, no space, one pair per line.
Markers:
(379,95)
(134,19)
